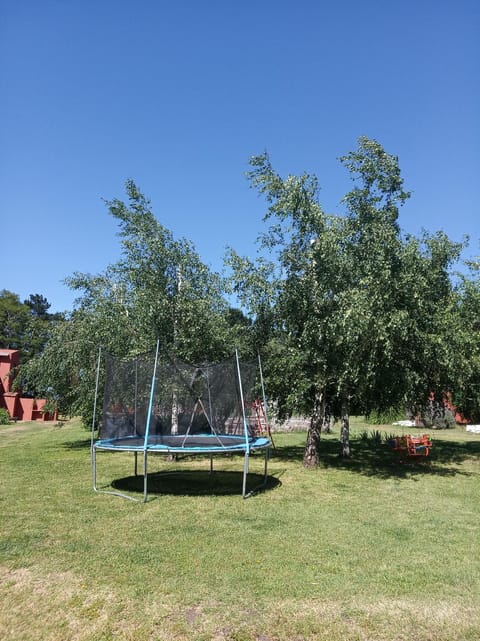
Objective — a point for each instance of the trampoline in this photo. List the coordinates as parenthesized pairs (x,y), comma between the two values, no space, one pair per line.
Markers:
(170,407)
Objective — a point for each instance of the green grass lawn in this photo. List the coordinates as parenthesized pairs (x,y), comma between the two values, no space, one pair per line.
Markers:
(368,549)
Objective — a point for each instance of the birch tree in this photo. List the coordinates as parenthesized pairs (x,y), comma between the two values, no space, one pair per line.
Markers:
(340,291)
(159,289)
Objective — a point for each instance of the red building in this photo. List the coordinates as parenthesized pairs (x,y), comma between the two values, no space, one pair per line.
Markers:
(19,407)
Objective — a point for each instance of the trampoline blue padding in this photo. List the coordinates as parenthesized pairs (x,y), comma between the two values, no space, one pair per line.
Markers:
(191,444)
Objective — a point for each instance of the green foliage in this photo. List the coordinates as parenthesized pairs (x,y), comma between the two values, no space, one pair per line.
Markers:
(436,416)
(373,437)
(25,326)
(4,416)
(465,342)
(13,320)
(385,417)
(353,311)
(38,305)
(158,290)
(348,313)
(333,279)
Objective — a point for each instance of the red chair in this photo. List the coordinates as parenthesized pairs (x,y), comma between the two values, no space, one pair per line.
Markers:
(418,445)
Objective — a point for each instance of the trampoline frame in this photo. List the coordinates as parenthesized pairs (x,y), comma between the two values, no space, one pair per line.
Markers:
(243,444)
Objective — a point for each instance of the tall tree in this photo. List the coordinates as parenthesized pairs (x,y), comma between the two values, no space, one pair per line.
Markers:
(464,342)
(39,326)
(285,297)
(13,320)
(158,290)
(339,292)
(38,305)
(371,308)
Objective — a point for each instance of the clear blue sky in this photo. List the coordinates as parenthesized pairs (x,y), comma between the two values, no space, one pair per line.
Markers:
(179,94)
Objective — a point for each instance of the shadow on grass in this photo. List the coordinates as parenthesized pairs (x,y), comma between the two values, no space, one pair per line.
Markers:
(373,459)
(83,444)
(197,483)
(368,458)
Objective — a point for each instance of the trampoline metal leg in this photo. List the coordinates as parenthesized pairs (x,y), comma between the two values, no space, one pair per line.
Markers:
(265,475)
(136,463)
(94,469)
(145,476)
(245,474)
(267,456)
(211,465)
(94,479)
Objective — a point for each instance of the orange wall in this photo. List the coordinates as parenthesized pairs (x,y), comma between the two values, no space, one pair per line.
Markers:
(24,409)
(9,358)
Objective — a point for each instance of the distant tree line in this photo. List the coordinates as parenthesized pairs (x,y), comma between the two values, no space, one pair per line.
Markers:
(27,325)
(350,314)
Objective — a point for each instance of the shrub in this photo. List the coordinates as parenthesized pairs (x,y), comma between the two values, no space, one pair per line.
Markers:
(363,436)
(386,417)
(375,437)
(4,417)
(436,416)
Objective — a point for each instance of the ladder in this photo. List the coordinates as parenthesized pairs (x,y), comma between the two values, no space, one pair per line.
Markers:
(262,426)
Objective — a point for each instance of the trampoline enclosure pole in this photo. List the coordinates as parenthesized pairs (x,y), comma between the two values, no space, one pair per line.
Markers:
(147,426)
(150,404)
(245,427)
(92,439)
(264,398)
(135,402)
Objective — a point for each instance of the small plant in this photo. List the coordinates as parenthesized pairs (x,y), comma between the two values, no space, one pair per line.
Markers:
(450,421)
(374,437)
(364,436)
(4,417)
(386,417)
(436,416)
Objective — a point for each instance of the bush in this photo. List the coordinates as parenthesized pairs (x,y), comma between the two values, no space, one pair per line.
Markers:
(386,417)
(436,416)
(4,417)
(375,437)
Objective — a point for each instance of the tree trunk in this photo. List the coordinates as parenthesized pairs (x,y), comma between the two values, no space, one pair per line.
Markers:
(327,423)
(345,429)
(311,456)
(175,410)
(174,428)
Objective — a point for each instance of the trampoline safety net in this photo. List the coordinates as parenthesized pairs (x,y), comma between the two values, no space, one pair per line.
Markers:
(189,406)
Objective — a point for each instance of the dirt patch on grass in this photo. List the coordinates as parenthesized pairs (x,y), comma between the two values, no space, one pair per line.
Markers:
(387,620)
(61,607)
(27,426)
(51,607)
